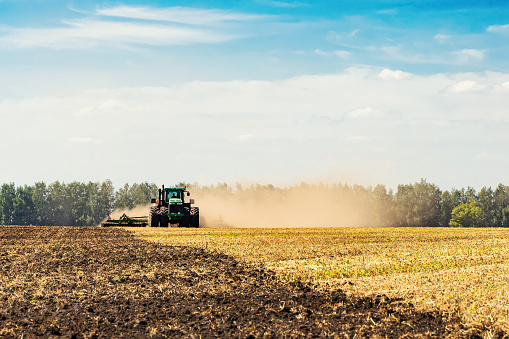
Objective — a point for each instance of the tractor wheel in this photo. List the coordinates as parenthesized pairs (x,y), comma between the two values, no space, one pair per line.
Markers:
(184,222)
(164,219)
(153,217)
(195,217)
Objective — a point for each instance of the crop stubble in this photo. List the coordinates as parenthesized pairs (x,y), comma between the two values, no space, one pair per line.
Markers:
(101,282)
(458,271)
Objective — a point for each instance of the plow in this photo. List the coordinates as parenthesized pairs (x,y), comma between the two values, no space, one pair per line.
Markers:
(126,221)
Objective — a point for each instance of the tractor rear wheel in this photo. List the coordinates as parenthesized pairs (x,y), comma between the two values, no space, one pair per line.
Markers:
(153,217)
(164,219)
(184,222)
(195,217)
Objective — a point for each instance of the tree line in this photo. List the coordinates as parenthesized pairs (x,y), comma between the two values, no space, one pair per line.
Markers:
(418,204)
(72,204)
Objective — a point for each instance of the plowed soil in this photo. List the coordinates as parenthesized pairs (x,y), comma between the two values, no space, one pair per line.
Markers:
(102,282)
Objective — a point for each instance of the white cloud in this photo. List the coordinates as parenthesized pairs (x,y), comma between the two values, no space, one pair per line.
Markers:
(442,38)
(400,129)
(354,32)
(193,16)
(342,54)
(88,33)
(466,55)
(389,74)
(132,25)
(466,86)
(284,4)
(388,11)
(320,52)
(498,28)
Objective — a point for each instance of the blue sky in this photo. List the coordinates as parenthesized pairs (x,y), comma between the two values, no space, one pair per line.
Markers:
(262,91)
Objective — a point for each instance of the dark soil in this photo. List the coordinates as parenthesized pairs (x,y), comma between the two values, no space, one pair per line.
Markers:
(103,282)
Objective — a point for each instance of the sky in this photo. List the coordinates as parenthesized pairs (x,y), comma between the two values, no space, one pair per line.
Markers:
(354,91)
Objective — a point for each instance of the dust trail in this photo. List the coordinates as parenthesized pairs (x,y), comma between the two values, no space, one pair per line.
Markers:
(269,206)
(137,211)
(294,207)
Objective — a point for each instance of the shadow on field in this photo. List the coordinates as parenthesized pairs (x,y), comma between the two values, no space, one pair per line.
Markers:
(103,282)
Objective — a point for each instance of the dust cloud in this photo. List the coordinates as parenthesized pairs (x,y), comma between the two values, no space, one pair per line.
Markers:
(274,207)
(137,211)
(268,206)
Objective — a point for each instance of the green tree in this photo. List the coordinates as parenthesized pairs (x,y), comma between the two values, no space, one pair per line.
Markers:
(105,200)
(124,197)
(7,196)
(467,214)
(446,207)
(142,193)
(405,202)
(24,212)
(41,205)
(419,204)
(501,205)
(57,204)
(487,204)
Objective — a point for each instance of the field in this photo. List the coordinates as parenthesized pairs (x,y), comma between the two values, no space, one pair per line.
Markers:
(93,282)
(464,272)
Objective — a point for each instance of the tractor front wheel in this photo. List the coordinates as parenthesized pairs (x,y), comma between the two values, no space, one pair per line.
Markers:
(153,217)
(164,219)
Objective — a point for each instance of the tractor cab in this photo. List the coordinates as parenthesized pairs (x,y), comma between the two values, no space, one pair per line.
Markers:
(173,195)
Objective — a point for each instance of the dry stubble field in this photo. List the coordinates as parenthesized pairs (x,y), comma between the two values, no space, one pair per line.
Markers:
(94,282)
(463,272)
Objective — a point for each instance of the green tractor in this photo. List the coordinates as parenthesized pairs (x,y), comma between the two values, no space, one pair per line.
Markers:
(172,209)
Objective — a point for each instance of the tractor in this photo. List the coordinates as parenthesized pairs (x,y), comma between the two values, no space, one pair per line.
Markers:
(172,209)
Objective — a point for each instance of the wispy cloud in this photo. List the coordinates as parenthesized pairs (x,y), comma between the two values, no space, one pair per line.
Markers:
(498,28)
(89,32)
(192,16)
(466,55)
(342,54)
(132,25)
(442,38)
(284,4)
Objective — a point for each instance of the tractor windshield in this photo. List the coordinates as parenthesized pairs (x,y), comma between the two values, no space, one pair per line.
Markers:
(174,195)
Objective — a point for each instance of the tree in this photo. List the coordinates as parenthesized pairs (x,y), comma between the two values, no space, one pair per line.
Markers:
(419,204)
(41,205)
(7,195)
(105,200)
(57,204)
(501,205)
(487,204)
(446,207)
(124,198)
(24,212)
(142,193)
(428,198)
(383,206)
(467,214)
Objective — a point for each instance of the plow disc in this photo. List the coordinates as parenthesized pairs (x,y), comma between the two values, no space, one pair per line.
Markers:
(124,220)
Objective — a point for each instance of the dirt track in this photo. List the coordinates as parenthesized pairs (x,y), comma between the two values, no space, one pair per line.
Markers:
(101,282)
